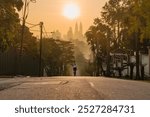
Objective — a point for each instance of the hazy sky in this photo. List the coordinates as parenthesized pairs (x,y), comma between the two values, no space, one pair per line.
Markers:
(51,13)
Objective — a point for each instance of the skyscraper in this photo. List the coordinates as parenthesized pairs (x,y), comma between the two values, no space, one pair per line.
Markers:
(81,29)
(78,32)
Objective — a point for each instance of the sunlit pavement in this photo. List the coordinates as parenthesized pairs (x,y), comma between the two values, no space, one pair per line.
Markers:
(72,88)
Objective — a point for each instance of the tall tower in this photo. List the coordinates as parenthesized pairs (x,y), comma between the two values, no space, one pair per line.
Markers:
(76,31)
(81,29)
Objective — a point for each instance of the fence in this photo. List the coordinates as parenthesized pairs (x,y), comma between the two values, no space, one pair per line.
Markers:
(11,64)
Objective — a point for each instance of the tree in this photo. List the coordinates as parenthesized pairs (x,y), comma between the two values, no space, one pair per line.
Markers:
(80,51)
(139,25)
(57,55)
(30,45)
(112,14)
(99,37)
(128,23)
(67,55)
(92,41)
(9,22)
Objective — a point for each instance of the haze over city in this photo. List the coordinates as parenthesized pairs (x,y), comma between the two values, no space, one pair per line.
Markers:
(52,13)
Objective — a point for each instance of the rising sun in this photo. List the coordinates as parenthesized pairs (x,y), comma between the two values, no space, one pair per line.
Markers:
(71,11)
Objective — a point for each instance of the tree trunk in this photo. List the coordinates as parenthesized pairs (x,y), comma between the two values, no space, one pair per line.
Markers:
(137,56)
(97,66)
(142,72)
(108,58)
(137,66)
(131,70)
(108,65)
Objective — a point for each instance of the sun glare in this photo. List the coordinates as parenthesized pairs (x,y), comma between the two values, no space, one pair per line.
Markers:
(71,11)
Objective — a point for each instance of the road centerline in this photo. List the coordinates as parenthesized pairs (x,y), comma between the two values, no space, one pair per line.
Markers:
(91,84)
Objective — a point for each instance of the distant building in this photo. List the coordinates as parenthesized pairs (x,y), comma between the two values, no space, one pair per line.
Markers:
(56,34)
(70,34)
(77,34)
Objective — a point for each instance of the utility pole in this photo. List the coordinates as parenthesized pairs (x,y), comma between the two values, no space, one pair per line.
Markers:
(40,57)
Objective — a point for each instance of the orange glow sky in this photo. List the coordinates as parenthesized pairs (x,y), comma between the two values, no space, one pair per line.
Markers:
(50,12)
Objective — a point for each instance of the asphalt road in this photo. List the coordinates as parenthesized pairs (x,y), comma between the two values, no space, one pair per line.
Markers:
(73,88)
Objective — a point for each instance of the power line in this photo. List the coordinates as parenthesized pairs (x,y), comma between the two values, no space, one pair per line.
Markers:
(30,23)
(35,30)
(11,13)
(45,31)
(34,25)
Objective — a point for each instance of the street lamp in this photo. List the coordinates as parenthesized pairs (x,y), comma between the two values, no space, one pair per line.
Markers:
(25,15)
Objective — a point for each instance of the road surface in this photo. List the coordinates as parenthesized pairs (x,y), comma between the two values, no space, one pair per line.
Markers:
(72,88)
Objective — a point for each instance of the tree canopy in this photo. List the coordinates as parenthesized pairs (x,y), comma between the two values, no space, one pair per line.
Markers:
(57,56)
(125,23)
(9,22)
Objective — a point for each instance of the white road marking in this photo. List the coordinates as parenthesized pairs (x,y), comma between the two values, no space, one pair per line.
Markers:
(43,83)
(92,85)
